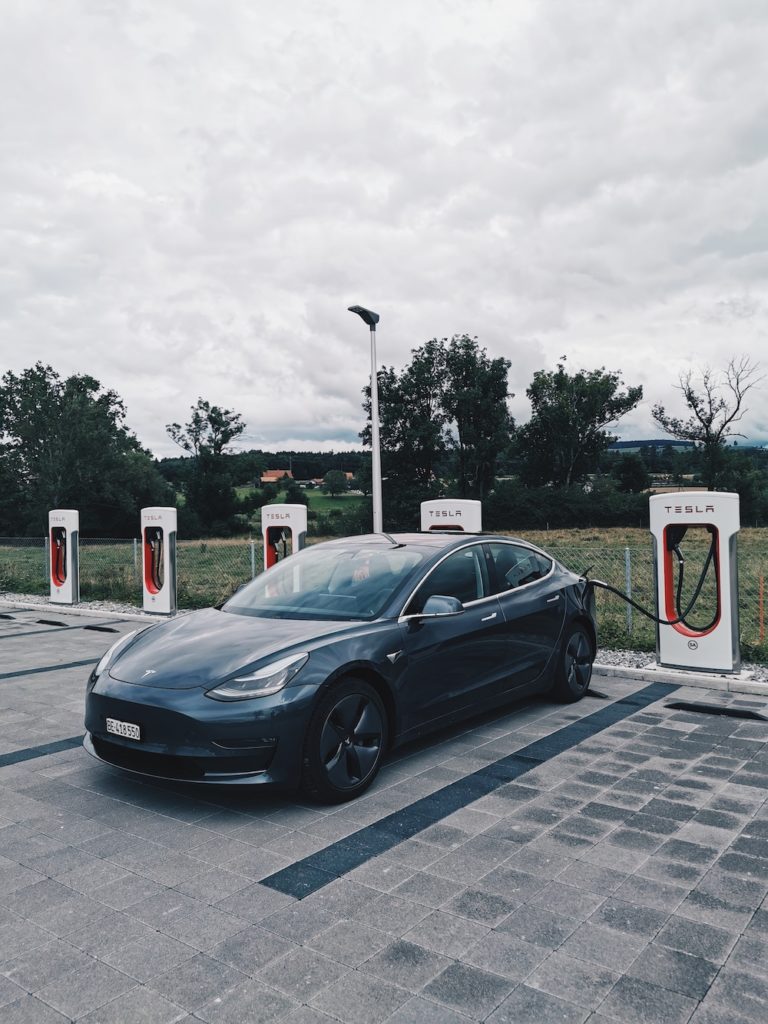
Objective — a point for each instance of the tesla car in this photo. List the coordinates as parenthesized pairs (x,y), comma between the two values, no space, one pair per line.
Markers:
(311,672)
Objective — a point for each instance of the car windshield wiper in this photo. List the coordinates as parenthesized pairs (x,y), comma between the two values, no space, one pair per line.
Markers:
(258,613)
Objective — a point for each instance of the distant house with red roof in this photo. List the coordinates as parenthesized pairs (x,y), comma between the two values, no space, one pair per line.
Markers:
(274,476)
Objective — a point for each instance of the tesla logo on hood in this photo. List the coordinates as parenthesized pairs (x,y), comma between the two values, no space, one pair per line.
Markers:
(149,672)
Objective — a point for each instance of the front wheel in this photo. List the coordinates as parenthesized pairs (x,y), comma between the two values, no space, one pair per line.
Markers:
(344,743)
(574,667)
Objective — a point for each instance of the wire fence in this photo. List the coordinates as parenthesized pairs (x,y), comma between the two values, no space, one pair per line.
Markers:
(208,572)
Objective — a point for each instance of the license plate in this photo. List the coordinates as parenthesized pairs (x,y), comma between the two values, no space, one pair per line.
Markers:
(126,729)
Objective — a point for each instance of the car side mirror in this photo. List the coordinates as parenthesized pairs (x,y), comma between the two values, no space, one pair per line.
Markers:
(439,604)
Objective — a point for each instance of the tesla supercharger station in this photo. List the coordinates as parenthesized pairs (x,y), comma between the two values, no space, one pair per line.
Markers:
(708,639)
(63,540)
(459,514)
(158,559)
(281,526)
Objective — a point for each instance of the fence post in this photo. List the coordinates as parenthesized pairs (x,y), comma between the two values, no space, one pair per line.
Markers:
(253,559)
(628,586)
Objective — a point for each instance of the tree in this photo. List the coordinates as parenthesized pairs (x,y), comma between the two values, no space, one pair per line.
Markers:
(363,481)
(12,500)
(450,399)
(413,431)
(64,444)
(569,416)
(209,491)
(475,401)
(294,495)
(716,404)
(335,482)
(631,474)
(209,430)
(246,467)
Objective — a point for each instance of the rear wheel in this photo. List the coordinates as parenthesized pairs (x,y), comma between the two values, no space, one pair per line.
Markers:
(344,743)
(574,668)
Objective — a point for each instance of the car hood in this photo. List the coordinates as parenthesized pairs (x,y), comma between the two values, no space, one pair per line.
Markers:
(200,649)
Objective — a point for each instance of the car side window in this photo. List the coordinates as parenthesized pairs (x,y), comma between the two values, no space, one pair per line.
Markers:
(462,575)
(515,566)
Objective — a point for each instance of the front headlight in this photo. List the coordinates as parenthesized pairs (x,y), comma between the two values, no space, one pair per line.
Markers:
(109,657)
(262,682)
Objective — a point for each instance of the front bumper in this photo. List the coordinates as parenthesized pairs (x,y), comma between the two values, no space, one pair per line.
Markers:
(187,737)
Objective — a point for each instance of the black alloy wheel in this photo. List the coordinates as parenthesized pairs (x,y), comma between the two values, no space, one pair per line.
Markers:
(574,669)
(345,742)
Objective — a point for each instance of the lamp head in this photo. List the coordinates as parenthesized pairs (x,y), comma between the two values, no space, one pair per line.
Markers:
(367,315)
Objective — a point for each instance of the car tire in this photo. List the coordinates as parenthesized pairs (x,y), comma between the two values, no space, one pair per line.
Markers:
(344,743)
(574,665)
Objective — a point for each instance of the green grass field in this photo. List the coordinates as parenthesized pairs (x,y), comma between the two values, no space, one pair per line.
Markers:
(324,503)
(210,570)
(318,501)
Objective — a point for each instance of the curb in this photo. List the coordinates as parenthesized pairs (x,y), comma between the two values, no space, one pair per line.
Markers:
(741,682)
(65,609)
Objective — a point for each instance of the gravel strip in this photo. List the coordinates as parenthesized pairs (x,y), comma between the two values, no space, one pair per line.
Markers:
(640,659)
(626,659)
(116,608)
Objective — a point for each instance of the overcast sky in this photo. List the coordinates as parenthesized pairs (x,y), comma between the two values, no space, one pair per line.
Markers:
(193,191)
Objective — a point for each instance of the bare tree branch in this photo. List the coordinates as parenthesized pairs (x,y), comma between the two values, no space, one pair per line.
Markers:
(716,403)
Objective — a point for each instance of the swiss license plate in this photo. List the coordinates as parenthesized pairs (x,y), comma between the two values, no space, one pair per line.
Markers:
(126,729)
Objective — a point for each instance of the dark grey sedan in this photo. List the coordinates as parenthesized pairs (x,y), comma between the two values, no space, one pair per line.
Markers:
(307,675)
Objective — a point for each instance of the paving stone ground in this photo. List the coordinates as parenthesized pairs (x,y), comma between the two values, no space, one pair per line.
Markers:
(622,880)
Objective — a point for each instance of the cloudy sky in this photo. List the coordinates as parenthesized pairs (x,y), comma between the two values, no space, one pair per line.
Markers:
(193,191)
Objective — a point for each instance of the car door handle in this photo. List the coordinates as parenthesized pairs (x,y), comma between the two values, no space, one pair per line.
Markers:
(551,599)
(488,617)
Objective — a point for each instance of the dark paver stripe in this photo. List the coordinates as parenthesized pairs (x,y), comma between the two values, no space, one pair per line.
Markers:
(48,668)
(319,869)
(60,629)
(30,753)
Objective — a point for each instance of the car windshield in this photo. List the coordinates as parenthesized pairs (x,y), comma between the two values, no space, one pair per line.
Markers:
(327,583)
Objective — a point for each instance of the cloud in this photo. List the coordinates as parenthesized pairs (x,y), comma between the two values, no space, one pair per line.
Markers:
(193,194)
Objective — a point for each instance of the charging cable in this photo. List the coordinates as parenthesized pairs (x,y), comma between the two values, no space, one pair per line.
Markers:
(681,615)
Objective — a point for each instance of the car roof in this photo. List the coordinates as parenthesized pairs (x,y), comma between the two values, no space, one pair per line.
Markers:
(434,539)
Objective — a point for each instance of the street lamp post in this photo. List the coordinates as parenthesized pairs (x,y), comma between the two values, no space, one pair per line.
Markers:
(371,318)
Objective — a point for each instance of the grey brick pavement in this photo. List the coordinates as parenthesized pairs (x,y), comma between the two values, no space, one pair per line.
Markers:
(622,881)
